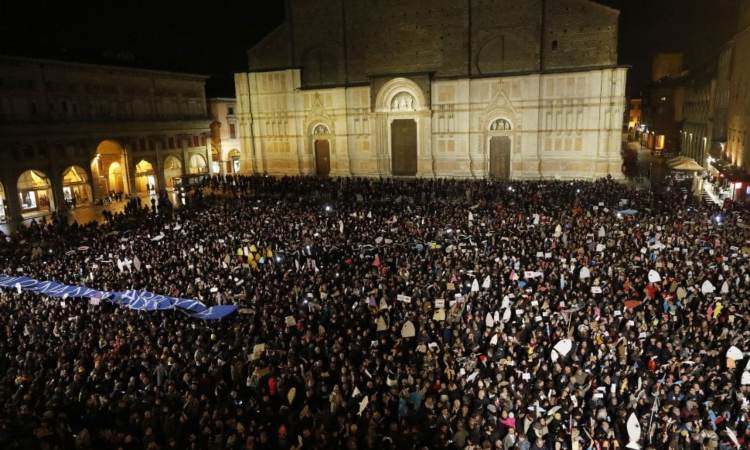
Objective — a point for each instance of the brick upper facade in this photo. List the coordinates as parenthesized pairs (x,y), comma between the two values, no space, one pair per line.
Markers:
(345,42)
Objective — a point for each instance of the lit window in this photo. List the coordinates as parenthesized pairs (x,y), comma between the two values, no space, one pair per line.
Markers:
(660,142)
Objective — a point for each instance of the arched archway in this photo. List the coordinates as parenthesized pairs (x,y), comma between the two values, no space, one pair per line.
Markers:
(197,164)
(145,178)
(109,170)
(3,213)
(115,178)
(499,143)
(76,189)
(172,170)
(499,133)
(404,118)
(234,161)
(35,194)
(321,135)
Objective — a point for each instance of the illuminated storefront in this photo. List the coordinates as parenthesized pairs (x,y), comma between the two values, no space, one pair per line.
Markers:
(76,189)
(35,193)
(145,178)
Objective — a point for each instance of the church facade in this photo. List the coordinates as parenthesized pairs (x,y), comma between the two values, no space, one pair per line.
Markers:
(504,89)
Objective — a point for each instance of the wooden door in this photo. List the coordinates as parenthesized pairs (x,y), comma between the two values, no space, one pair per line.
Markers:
(500,157)
(322,157)
(404,147)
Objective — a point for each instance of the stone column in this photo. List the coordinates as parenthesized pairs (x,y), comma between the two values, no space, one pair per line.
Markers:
(12,203)
(56,180)
(128,168)
(159,169)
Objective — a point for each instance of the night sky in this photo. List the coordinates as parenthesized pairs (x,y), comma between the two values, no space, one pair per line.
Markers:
(213,40)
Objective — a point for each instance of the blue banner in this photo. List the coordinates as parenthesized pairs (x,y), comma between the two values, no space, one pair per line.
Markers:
(134,299)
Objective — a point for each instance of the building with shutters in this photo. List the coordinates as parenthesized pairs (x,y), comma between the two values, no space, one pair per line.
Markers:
(74,134)
(226,157)
(442,88)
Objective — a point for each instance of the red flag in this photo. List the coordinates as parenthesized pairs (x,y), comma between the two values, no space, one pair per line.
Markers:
(632,304)
(376,263)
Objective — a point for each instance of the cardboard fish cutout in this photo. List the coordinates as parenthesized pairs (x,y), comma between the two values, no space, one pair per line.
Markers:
(634,432)
(735,353)
(362,405)
(407,330)
(708,287)
(489,321)
(733,437)
(382,326)
(653,276)
(487,282)
(475,286)
(585,273)
(561,349)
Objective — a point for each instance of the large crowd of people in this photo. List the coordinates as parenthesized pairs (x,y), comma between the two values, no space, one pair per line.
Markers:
(386,314)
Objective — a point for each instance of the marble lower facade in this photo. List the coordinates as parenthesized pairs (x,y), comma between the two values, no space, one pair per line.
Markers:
(564,125)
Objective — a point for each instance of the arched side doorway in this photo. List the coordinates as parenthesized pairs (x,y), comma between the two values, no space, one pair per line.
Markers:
(322,148)
(197,164)
(35,194)
(234,161)
(145,178)
(172,170)
(3,212)
(76,189)
(499,165)
(109,170)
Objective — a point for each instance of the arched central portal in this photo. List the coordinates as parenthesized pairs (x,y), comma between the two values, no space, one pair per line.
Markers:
(500,157)
(35,194)
(404,128)
(404,147)
(145,178)
(76,190)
